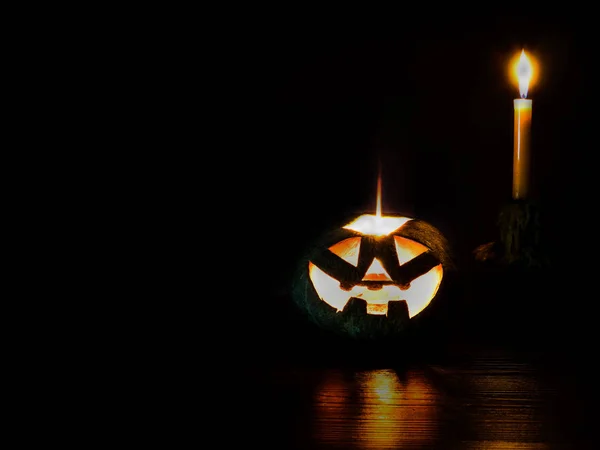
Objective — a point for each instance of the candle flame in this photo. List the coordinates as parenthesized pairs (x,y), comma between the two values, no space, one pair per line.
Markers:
(378,208)
(524,68)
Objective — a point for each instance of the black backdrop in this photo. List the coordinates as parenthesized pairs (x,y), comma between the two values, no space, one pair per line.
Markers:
(319,102)
(308,105)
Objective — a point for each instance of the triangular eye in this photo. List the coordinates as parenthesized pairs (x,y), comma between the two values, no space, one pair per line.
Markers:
(407,249)
(347,249)
(376,272)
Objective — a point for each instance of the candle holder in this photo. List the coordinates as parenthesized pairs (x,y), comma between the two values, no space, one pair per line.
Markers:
(519,228)
(518,242)
(512,283)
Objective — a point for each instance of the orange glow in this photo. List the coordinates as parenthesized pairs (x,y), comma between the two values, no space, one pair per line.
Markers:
(376,272)
(373,225)
(523,70)
(347,250)
(376,225)
(417,296)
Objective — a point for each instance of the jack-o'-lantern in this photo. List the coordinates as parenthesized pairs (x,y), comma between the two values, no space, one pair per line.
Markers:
(372,276)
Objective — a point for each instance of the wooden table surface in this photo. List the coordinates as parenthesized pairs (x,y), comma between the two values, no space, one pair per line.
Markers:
(489,399)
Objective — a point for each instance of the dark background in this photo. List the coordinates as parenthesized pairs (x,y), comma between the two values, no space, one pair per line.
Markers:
(312,102)
(307,102)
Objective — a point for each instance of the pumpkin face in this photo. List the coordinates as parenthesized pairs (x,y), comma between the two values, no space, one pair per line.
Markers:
(381,270)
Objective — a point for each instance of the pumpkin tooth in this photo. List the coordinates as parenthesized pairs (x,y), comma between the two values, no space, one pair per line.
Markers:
(398,310)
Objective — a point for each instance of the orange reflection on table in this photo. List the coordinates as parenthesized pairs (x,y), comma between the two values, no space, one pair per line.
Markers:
(376,409)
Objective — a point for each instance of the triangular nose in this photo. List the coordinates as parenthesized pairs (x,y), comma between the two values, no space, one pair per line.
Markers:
(376,272)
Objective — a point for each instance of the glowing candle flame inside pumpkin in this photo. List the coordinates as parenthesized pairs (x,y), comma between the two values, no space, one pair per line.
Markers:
(377,287)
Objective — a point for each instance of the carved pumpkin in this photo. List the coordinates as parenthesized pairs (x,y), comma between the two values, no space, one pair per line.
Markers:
(372,276)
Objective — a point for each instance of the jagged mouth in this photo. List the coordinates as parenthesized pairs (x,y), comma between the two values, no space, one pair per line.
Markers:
(374,285)
(393,309)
